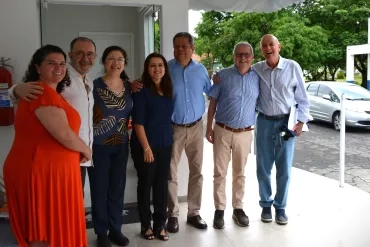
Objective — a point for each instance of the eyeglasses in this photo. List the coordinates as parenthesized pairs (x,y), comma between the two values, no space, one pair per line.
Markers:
(117,60)
(241,54)
(81,54)
(178,47)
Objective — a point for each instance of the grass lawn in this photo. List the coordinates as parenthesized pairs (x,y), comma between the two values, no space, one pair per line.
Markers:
(358,79)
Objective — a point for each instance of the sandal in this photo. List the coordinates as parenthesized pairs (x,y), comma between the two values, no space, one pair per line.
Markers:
(145,234)
(162,236)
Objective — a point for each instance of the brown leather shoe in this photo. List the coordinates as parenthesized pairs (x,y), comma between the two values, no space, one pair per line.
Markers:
(172,225)
(197,222)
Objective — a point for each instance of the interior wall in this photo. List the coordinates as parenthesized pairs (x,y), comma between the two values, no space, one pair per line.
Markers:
(62,23)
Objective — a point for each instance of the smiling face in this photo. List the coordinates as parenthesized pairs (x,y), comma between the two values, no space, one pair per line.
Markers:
(114,63)
(243,57)
(270,48)
(52,69)
(156,69)
(182,50)
(82,56)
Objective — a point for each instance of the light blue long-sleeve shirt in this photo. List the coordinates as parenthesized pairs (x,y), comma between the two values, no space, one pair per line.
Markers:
(236,97)
(281,88)
(189,86)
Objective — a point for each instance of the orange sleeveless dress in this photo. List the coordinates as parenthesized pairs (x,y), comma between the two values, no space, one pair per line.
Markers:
(42,179)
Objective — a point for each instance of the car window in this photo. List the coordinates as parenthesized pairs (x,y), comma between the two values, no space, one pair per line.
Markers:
(354,92)
(324,90)
(312,89)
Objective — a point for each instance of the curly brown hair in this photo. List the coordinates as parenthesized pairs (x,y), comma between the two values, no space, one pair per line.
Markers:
(37,59)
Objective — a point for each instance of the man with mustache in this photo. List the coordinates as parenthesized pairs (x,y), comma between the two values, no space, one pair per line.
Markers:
(78,95)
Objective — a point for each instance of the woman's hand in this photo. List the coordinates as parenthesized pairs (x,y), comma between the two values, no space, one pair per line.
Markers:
(86,155)
(148,155)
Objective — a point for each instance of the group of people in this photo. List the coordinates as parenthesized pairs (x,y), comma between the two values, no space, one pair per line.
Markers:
(68,125)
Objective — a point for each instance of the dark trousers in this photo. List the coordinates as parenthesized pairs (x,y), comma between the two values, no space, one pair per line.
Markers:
(107,184)
(152,177)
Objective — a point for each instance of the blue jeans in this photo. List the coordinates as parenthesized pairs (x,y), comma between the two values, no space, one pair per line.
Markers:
(271,147)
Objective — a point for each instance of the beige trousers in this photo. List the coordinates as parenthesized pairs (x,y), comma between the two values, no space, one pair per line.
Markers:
(227,144)
(190,139)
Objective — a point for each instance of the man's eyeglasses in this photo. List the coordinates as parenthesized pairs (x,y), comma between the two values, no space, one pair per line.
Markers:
(81,54)
(178,47)
(241,54)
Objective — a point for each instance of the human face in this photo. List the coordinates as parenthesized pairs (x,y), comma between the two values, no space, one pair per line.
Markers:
(114,64)
(270,48)
(156,69)
(82,56)
(52,69)
(243,57)
(182,50)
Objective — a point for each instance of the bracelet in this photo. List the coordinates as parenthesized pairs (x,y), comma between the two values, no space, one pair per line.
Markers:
(146,149)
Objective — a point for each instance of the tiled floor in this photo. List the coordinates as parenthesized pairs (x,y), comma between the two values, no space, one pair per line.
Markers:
(321,214)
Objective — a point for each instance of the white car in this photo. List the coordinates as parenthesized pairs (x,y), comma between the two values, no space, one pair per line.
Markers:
(325,104)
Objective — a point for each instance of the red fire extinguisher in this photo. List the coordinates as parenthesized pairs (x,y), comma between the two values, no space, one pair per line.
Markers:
(6,107)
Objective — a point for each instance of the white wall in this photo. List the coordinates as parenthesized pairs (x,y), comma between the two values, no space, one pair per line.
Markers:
(19,38)
(62,23)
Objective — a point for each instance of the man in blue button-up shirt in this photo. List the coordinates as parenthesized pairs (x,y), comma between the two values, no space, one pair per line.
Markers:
(190,83)
(235,99)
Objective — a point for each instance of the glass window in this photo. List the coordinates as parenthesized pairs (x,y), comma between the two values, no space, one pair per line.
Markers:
(312,89)
(324,90)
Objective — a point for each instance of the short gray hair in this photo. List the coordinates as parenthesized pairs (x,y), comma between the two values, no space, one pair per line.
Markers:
(243,43)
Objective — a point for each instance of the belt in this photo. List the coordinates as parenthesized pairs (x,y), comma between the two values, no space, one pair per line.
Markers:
(234,130)
(276,117)
(189,125)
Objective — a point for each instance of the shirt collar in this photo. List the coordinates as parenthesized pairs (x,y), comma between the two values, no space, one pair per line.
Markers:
(281,64)
(73,73)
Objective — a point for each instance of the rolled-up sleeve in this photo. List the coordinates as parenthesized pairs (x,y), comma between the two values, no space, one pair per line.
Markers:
(139,108)
(301,98)
(214,92)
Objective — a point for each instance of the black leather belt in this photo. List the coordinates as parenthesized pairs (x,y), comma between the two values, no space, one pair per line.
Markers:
(276,117)
(189,125)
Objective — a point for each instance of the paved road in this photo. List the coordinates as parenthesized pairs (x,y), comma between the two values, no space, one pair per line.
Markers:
(317,151)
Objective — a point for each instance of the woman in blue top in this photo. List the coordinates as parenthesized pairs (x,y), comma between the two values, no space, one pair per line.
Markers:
(151,144)
(112,109)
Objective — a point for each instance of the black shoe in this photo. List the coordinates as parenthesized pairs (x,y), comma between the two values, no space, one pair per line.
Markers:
(103,241)
(197,222)
(118,238)
(218,220)
(172,225)
(266,215)
(280,217)
(240,217)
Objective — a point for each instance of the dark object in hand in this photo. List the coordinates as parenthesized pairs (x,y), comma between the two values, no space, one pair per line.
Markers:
(286,133)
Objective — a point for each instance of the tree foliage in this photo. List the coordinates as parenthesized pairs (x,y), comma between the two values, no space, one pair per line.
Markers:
(315,33)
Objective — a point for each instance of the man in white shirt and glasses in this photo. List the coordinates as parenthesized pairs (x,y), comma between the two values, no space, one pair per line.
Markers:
(79,95)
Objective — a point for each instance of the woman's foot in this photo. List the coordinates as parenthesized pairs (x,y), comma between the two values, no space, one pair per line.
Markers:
(161,233)
(147,233)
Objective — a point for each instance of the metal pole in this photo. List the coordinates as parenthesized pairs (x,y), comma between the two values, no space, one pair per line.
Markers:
(342,141)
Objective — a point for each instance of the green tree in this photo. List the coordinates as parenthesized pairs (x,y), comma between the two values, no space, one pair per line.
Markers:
(157,38)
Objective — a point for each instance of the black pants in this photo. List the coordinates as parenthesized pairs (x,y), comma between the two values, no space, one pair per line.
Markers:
(107,183)
(152,177)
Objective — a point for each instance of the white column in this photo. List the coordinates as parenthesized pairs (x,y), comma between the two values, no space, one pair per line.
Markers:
(368,55)
(173,18)
(350,72)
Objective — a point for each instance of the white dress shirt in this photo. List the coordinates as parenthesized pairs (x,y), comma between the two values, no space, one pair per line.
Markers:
(79,96)
(281,88)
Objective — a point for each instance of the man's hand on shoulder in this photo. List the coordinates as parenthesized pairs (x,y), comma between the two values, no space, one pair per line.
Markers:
(28,91)
(136,86)
(215,78)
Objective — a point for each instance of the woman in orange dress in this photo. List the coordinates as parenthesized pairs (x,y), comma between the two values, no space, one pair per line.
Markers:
(42,170)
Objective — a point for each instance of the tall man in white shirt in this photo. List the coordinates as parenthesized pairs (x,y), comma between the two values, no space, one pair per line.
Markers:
(79,95)
(281,87)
